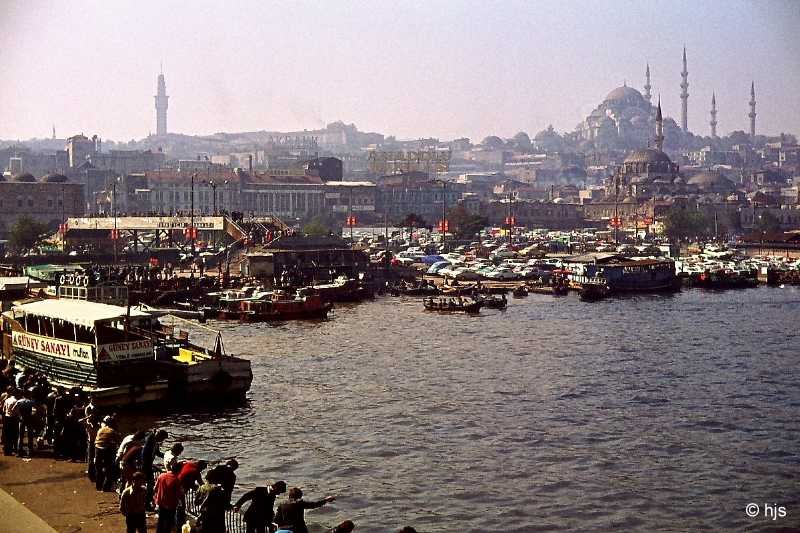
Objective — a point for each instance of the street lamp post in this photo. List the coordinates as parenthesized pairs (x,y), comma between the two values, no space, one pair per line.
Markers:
(114,214)
(191,213)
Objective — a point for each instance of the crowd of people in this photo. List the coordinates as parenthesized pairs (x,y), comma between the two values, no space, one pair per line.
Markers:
(66,422)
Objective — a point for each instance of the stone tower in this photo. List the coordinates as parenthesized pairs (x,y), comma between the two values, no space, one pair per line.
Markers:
(647,86)
(752,113)
(161,106)
(684,94)
(713,122)
(659,127)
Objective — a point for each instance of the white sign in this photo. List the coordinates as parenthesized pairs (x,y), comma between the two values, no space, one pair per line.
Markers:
(51,347)
(125,351)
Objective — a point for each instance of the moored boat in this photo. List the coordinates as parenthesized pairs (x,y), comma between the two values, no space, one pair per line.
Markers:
(453,304)
(494,302)
(123,356)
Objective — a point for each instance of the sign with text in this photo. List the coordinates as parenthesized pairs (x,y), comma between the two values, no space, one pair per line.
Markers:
(125,351)
(51,347)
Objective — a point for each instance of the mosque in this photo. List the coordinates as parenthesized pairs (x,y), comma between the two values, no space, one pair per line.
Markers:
(626,119)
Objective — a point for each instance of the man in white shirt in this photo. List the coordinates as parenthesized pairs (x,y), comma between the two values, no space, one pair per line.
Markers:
(10,423)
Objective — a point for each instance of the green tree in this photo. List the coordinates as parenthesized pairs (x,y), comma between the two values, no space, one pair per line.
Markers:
(411,221)
(318,226)
(766,222)
(685,224)
(26,233)
(463,224)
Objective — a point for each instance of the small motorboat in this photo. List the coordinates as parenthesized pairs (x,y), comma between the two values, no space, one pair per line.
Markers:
(446,304)
(494,302)
(520,292)
(591,292)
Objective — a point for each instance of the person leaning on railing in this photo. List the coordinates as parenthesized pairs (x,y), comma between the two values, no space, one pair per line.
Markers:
(260,513)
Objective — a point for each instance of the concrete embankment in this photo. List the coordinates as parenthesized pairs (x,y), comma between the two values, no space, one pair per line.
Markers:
(43,494)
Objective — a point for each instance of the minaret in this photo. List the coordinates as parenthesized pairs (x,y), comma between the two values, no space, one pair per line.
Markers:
(161,106)
(647,86)
(659,128)
(684,94)
(752,113)
(713,116)
(54,132)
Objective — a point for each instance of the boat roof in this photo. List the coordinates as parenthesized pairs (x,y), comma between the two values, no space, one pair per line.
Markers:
(20,282)
(78,312)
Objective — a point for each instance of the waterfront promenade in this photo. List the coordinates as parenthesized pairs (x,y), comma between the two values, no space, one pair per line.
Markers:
(59,494)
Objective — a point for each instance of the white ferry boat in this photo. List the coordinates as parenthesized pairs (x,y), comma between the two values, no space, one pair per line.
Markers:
(122,355)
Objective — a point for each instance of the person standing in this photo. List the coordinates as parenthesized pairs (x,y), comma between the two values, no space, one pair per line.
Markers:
(291,514)
(92,427)
(168,496)
(172,455)
(105,444)
(10,422)
(260,513)
(150,451)
(132,505)
(225,475)
(213,504)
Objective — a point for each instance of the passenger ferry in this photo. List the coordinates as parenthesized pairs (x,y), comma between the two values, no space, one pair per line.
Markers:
(623,274)
(122,355)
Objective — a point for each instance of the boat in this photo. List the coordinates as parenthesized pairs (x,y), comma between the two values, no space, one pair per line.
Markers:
(520,291)
(343,289)
(553,290)
(494,302)
(452,304)
(307,304)
(623,274)
(123,356)
(594,289)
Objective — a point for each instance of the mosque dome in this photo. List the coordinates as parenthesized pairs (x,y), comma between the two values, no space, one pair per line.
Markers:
(625,94)
(647,155)
(711,181)
(25,178)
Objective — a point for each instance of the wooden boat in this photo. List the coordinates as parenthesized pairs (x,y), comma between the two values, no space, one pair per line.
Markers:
(493,302)
(281,306)
(452,305)
(520,292)
(593,291)
(344,289)
(553,290)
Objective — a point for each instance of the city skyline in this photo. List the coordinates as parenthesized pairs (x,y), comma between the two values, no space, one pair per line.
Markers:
(448,70)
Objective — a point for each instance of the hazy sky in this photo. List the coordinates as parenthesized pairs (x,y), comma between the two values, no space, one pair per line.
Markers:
(409,68)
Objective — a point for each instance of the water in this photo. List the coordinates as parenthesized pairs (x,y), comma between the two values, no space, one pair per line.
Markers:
(635,414)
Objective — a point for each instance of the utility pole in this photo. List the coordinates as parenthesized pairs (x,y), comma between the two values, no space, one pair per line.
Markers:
(213,196)
(63,217)
(444,215)
(350,215)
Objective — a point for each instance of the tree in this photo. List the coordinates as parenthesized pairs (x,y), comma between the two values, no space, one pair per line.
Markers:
(411,221)
(684,224)
(463,224)
(26,233)
(522,141)
(766,222)
(318,226)
(493,142)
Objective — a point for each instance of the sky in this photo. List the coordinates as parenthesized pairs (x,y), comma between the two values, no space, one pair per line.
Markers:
(427,68)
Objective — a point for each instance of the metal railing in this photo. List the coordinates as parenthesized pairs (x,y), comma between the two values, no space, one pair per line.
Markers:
(234,522)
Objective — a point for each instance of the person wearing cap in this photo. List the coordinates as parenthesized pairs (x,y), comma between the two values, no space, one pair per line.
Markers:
(105,444)
(291,514)
(260,513)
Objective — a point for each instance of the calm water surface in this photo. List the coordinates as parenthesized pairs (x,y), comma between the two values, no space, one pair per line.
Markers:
(666,413)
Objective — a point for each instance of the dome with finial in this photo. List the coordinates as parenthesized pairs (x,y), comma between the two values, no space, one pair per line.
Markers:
(647,155)
(625,94)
